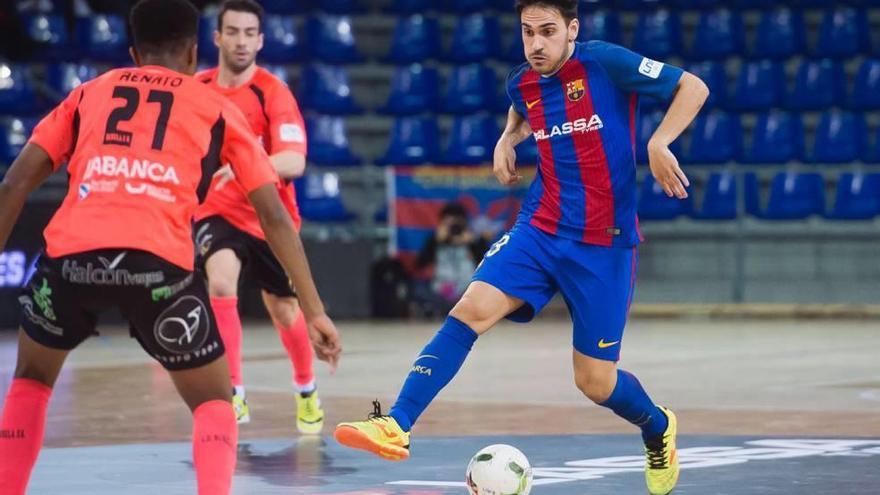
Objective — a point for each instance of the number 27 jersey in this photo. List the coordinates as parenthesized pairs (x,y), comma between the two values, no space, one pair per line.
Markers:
(142,145)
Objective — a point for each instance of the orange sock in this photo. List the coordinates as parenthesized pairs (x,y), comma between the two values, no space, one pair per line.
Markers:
(215,441)
(21,433)
(299,350)
(229,324)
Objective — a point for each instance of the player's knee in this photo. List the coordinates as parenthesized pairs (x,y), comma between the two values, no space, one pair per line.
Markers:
(283,312)
(222,287)
(596,386)
(474,313)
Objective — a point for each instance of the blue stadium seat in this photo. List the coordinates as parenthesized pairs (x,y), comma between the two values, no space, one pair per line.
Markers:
(818,84)
(636,4)
(527,152)
(778,137)
(719,198)
(658,34)
(328,141)
(600,25)
(49,33)
(716,138)
(103,38)
(781,34)
(414,141)
(654,204)
(751,4)
(286,7)
(331,40)
(759,86)
(839,138)
(341,6)
(411,6)
(475,38)
(64,78)
(515,52)
(416,39)
(715,76)
(17,94)
(866,90)
(319,198)
(281,44)
(207,25)
(795,196)
(471,141)
(719,34)
(844,32)
(470,88)
(648,123)
(14,134)
(857,198)
(466,6)
(414,89)
(871,149)
(697,4)
(326,89)
(279,71)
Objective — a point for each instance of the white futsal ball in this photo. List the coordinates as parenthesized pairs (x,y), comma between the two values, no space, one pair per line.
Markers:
(499,470)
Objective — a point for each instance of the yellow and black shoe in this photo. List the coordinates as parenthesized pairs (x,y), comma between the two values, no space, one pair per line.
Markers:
(309,415)
(240,405)
(379,434)
(661,465)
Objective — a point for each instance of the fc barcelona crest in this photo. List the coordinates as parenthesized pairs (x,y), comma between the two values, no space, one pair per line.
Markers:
(575,89)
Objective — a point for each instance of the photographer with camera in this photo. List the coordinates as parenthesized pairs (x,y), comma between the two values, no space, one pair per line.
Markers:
(454,251)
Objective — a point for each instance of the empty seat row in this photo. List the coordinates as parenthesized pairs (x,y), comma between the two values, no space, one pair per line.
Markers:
(781,33)
(777,137)
(791,196)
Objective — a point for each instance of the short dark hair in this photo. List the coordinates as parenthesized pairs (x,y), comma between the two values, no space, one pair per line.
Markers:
(240,6)
(568,8)
(163,26)
(454,210)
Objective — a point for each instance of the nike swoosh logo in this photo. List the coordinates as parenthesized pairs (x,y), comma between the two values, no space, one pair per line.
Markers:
(605,345)
(530,104)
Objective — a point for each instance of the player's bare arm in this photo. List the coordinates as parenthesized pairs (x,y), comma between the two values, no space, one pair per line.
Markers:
(287,246)
(516,130)
(32,167)
(690,95)
(289,164)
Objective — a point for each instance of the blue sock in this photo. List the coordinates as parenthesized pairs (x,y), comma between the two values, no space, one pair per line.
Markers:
(437,364)
(630,401)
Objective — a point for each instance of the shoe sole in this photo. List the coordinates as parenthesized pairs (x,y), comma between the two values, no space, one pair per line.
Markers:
(244,420)
(355,439)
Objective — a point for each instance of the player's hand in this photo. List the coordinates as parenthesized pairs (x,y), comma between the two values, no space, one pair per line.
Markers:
(667,172)
(223,175)
(325,340)
(504,163)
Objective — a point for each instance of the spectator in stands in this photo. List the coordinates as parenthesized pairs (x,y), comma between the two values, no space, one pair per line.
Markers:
(454,251)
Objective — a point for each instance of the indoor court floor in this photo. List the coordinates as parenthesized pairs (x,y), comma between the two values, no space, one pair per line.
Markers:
(764,407)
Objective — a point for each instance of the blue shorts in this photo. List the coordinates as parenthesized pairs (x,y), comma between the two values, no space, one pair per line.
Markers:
(596,282)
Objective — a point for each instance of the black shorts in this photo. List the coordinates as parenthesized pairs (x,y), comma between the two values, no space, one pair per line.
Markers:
(258,261)
(167,307)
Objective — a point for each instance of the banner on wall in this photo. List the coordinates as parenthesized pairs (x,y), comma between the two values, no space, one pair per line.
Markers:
(418,194)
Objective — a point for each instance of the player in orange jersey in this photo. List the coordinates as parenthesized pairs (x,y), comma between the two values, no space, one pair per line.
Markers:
(228,233)
(142,145)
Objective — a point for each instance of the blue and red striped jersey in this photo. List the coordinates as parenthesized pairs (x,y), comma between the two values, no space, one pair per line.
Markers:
(584,121)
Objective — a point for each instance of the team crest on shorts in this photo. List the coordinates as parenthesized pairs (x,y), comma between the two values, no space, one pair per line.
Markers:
(575,89)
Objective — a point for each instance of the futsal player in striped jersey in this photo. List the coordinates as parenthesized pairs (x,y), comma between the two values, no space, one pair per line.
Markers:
(577,233)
